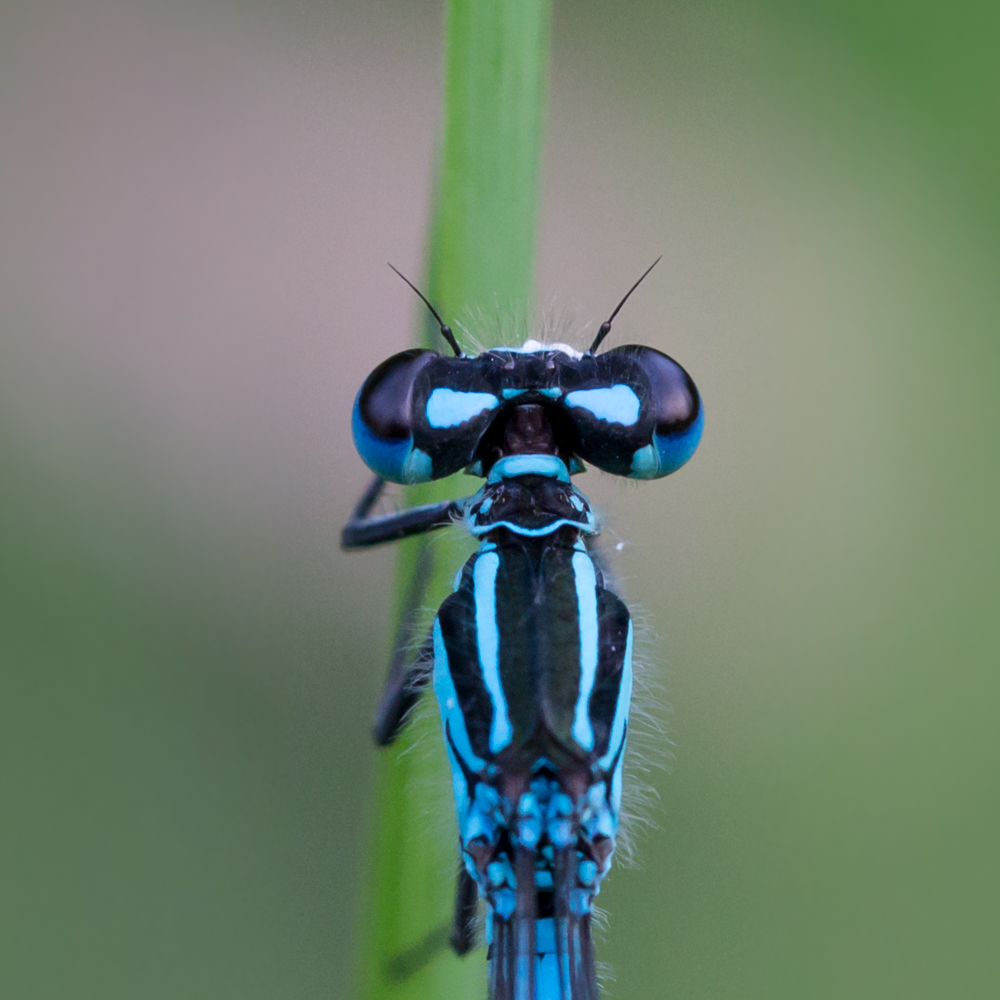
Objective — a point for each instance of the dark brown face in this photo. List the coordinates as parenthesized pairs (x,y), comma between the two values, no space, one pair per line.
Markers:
(528,432)
(527,429)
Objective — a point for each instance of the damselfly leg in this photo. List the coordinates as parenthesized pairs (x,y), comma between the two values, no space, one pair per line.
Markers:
(408,673)
(463,933)
(363,531)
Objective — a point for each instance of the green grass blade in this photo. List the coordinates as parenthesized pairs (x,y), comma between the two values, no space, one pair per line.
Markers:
(484,247)
(481,262)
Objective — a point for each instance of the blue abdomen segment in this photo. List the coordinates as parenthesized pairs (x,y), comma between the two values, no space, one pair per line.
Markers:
(668,451)
(544,866)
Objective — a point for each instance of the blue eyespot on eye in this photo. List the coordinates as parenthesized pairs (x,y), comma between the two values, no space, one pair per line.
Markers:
(668,451)
(382,421)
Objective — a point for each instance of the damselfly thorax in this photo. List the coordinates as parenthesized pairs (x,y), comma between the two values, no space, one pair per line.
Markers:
(531,654)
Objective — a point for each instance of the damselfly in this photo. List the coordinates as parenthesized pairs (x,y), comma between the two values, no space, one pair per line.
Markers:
(531,655)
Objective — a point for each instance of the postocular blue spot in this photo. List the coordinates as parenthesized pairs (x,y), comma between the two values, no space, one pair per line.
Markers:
(617,405)
(449,407)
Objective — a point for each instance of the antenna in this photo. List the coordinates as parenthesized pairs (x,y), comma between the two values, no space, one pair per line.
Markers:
(606,325)
(445,329)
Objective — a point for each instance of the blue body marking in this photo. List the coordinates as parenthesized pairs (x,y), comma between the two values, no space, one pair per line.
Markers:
(617,780)
(619,730)
(484,575)
(481,529)
(617,405)
(622,706)
(454,722)
(450,408)
(553,392)
(586,599)
(523,465)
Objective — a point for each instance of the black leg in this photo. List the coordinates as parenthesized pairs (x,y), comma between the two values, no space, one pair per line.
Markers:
(400,967)
(403,686)
(406,678)
(362,531)
(463,931)
(462,937)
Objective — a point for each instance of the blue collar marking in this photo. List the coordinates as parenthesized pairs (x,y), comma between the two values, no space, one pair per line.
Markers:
(522,465)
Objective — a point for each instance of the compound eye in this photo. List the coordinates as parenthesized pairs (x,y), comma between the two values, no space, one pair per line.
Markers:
(386,398)
(383,422)
(671,408)
(674,398)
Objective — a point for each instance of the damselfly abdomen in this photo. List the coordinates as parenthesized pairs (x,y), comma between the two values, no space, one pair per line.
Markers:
(531,655)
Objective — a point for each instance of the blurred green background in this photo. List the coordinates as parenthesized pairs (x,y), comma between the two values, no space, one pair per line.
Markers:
(197,203)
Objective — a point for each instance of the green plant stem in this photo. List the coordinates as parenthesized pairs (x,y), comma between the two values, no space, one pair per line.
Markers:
(481,262)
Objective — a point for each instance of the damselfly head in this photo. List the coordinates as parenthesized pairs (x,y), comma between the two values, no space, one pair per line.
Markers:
(631,411)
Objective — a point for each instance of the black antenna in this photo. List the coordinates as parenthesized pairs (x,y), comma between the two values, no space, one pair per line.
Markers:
(445,329)
(606,325)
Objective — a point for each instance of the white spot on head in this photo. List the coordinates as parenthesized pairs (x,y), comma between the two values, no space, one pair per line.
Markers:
(537,347)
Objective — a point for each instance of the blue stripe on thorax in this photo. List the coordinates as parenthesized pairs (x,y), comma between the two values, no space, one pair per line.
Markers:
(453,721)
(586,601)
(619,727)
(484,578)
(622,706)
